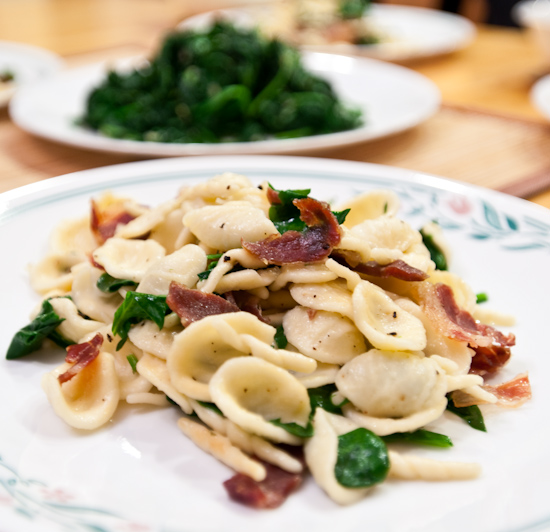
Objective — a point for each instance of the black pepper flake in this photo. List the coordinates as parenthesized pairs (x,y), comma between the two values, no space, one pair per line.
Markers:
(109,337)
(222,225)
(394,314)
(226,258)
(392,334)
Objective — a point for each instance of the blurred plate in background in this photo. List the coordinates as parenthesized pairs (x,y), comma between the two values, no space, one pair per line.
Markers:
(27,64)
(540,95)
(406,32)
(392,98)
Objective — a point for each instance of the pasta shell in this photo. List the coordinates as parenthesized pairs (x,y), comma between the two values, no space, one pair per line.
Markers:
(182,266)
(128,259)
(147,337)
(389,384)
(155,371)
(89,399)
(325,336)
(370,205)
(252,392)
(75,326)
(222,227)
(385,324)
(53,272)
(205,345)
(333,296)
(89,299)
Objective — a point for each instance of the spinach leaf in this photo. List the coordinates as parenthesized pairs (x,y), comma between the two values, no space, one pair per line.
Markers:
(280,338)
(294,428)
(436,253)
(420,437)
(211,406)
(109,284)
(135,308)
(30,338)
(212,263)
(218,84)
(471,414)
(349,9)
(481,297)
(133,360)
(362,459)
(321,397)
(285,215)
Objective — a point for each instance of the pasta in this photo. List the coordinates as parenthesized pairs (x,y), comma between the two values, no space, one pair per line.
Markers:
(269,319)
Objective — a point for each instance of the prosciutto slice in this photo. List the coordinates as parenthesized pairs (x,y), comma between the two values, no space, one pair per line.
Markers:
(104,222)
(512,393)
(246,302)
(192,305)
(314,244)
(269,493)
(439,304)
(397,269)
(81,355)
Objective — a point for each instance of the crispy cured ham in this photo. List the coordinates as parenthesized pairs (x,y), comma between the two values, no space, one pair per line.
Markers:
(314,244)
(266,494)
(105,221)
(192,305)
(439,304)
(397,269)
(512,393)
(81,355)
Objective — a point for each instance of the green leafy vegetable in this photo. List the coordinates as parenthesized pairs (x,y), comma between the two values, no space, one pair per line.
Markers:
(321,397)
(471,414)
(220,84)
(420,437)
(481,297)
(212,263)
(6,76)
(30,338)
(108,284)
(211,406)
(362,459)
(286,216)
(133,360)
(350,9)
(135,308)
(280,338)
(436,253)
(294,428)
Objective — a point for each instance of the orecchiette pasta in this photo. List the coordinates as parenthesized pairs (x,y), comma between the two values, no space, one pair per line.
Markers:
(267,335)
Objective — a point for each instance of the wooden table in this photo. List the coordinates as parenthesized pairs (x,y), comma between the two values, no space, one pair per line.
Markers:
(487,131)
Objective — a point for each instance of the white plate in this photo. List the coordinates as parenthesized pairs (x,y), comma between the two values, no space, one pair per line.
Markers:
(141,474)
(27,63)
(410,32)
(392,99)
(540,95)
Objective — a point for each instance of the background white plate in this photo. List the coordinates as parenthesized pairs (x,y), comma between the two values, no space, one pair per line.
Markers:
(392,98)
(27,63)
(540,95)
(411,32)
(140,474)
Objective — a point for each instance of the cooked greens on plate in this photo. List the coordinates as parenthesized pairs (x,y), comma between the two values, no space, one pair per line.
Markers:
(223,84)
